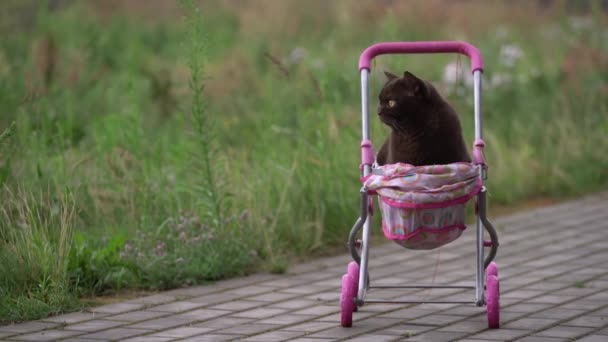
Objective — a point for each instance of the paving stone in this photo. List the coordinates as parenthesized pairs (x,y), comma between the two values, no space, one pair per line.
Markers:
(75,317)
(287,319)
(163,323)
(342,333)
(305,289)
(525,307)
(238,305)
(294,304)
(372,338)
(534,338)
(318,310)
(276,335)
(249,329)
(211,338)
(212,299)
(47,335)
(176,306)
(82,339)
(147,338)
(154,299)
(466,326)
(437,336)
(117,308)
(409,313)
(601,332)
(94,325)
(136,316)
(331,296)
(116,334)
(552,299)
(6,334)
(588,321)
(531,323)
(310,327)
(406,330)
(309,339)
(250,290)
(223,322)
(272,297)
(182,332)
(593,338)
(521,294)
(564,331)
(202,314)
(259,313)
(27,327)
(501,334)
(558,313)
(436,320)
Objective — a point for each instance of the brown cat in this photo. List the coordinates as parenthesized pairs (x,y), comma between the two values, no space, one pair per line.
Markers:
(425,128)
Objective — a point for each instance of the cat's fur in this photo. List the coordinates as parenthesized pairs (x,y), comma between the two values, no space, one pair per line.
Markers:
(425,129)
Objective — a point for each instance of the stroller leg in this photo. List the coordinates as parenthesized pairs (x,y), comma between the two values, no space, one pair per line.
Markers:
(479,279)
(363,274)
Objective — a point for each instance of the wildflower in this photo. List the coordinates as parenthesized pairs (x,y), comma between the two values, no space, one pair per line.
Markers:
(160,248)
(500,79)
(510,54)
(179,260)
(297,55)
(182,236)
(453,72)
(578,23)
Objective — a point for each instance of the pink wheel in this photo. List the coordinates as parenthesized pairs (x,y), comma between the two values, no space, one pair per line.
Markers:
(353,271)
(347,301)
(492,269)
(492,301)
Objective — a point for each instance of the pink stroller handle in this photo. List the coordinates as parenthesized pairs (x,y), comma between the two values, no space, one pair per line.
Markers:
(422,47)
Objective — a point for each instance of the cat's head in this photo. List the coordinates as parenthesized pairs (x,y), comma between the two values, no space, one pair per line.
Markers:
(401,98)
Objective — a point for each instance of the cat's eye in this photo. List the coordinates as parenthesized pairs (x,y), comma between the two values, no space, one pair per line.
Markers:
(392,103)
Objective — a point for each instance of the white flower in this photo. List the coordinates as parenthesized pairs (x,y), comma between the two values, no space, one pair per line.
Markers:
(500,79)
(510,54)
(297,55)
(452,73)
(578,23)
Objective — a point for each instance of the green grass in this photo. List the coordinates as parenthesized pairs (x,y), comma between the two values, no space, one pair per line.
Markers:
(151,154)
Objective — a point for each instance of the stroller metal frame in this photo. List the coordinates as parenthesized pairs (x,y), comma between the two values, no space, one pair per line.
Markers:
(368,159)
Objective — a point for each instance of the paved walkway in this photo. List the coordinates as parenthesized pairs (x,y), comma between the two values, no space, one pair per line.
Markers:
(553,267)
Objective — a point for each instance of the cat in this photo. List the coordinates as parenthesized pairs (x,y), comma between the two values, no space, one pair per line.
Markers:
(425,129)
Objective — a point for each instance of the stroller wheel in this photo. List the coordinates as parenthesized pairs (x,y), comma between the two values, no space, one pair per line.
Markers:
(492,269)
(493,301)
(347,300)
(353,271)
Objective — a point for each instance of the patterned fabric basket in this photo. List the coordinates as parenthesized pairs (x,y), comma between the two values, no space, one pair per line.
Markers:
(423,207)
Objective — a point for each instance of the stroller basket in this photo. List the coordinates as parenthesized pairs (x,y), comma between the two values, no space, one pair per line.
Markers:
(423,207)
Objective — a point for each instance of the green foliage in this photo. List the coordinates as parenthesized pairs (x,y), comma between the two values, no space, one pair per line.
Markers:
(154,155)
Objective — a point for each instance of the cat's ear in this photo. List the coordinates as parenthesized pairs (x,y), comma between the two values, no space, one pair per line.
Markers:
(390,76)
(421,88)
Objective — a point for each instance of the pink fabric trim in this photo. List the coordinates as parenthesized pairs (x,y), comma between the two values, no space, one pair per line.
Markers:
(422,47)
(367,153)
(459,200)
(420,230)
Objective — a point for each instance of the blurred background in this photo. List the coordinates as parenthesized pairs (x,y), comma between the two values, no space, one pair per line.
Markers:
(153,144)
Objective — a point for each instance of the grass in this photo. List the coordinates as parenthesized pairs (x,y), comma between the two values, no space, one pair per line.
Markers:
(160,152)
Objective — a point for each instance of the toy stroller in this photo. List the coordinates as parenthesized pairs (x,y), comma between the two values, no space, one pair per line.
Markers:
(422,207)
